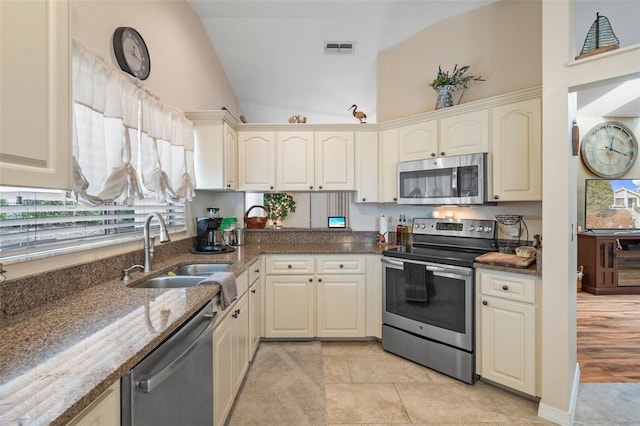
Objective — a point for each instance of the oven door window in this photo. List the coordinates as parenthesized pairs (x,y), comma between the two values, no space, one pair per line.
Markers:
(443,305)
(431,184)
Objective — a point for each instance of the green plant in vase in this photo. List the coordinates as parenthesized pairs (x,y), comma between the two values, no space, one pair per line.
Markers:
(279,205)
(446,82)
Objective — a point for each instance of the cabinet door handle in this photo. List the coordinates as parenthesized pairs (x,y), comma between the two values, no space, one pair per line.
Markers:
(310,280)
(433,154)
(395,199)
(341,266)
(235,315)
(228,185)
(484,302)
(442,153)
(289,266)
(320,187)
(495,197)
(505,287)
(319,280)
(310,187)
(253,291)
(364,199)
(256,271)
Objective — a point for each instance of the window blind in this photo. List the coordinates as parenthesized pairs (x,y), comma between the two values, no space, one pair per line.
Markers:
(43,220)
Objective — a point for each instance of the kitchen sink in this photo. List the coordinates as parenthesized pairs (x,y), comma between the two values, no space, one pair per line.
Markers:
(200,269)
(166,281)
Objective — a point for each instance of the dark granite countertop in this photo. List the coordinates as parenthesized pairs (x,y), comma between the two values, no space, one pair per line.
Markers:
(55,359)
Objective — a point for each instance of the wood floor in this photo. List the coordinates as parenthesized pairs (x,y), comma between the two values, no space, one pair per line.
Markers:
(608,328)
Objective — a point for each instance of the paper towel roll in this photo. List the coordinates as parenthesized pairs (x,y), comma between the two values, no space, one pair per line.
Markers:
(383,227)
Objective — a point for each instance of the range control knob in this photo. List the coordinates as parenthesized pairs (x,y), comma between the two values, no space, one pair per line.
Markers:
(488,229)
(422,226)
(471,228)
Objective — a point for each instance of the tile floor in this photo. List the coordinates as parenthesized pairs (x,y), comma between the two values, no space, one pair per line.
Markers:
(365,385)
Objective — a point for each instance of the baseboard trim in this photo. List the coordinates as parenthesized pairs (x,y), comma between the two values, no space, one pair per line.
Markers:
(555,415)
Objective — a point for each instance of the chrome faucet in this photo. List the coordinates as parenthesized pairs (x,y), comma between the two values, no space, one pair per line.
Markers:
(149,249)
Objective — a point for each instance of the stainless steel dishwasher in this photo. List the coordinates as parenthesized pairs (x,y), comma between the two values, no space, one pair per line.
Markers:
(173,385)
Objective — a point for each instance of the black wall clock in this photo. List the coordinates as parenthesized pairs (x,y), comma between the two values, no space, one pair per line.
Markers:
(609,149)
(131,52)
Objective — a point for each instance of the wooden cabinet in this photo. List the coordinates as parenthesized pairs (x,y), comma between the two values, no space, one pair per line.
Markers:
(255,307)
(340,297)
(334,161)
(366,167)
(388,177)
(611,263)
(215,155)
(466,133)
(35,103)
(230,352)
(105,410)
(508,333)
(418,141)
(516,151)
(314,161)
(256,161)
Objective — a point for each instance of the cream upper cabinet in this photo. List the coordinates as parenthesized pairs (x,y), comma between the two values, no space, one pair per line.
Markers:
(387,178)
(516,151)
(418,141)
(508,334)
(334,161)
(35,94)
(366,166)
(295,161)
(215,155)
(256,161)
(466,133)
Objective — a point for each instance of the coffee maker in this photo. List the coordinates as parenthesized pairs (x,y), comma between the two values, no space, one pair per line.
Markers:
(209,238)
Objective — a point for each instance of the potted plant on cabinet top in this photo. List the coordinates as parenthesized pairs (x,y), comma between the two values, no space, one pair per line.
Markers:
(445,83)
(279,205)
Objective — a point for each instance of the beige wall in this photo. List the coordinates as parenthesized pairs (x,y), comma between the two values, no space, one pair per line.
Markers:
(185,70)
(502,42)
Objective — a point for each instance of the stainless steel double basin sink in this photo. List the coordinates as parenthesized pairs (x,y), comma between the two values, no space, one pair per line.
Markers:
(184,276)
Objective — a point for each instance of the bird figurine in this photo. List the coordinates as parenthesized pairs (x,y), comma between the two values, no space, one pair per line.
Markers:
(358,114)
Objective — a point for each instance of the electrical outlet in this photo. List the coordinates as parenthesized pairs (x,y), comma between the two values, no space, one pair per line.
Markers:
(514,232)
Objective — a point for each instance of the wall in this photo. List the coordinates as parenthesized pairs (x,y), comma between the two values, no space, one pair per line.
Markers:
(509,56)
(185,70)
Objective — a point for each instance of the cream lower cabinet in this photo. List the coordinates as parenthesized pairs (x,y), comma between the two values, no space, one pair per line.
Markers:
(255,307)
(507,332)
(309,296)
(340,296)
(105,410)
(230,352)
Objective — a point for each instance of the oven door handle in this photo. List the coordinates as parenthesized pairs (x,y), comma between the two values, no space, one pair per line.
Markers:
(393,262)
(449,272)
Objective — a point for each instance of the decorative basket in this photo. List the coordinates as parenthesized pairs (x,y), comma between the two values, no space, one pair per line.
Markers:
(255,222)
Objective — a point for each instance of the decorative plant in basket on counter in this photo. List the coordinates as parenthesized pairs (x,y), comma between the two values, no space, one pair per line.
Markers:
(279,205)
(445,83)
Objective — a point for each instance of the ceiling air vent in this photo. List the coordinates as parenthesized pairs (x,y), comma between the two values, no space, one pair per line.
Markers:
(343,47)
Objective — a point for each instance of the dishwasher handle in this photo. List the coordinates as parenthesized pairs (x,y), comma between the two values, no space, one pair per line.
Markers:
(149,384)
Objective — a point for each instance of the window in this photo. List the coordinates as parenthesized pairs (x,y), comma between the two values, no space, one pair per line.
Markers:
(37,221)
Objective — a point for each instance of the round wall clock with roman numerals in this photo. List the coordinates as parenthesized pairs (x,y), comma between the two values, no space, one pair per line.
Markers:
(609,149)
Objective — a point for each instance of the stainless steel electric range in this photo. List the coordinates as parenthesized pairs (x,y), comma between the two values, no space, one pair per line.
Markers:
(429,292)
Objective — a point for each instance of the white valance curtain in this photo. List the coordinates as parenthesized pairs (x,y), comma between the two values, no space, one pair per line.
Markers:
(126,144)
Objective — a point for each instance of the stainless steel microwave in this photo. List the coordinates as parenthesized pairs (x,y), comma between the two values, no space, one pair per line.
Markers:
(455,180)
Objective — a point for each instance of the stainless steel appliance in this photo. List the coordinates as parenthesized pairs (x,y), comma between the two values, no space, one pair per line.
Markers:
(460,179)
(428,295)
(174,384)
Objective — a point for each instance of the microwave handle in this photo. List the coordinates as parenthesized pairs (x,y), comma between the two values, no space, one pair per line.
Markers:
(454,182)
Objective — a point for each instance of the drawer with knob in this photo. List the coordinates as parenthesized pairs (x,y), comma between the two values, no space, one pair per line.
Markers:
(510,287)
(340,265)
(289,265)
